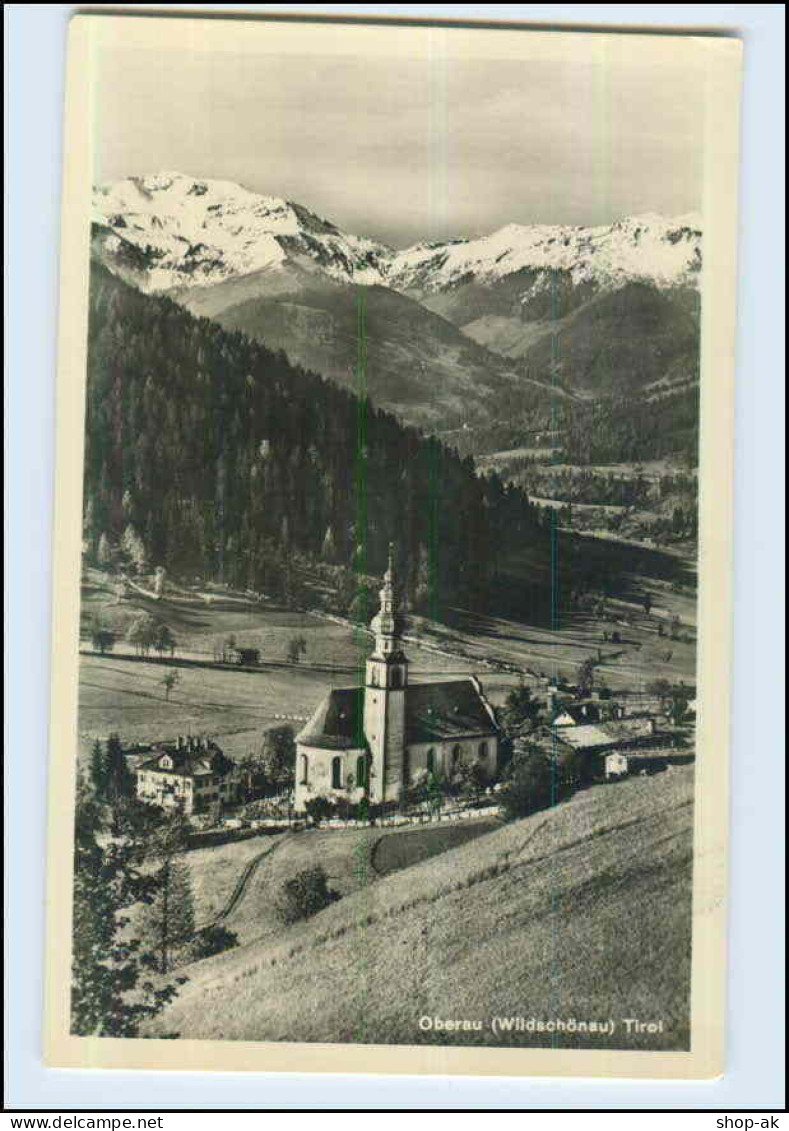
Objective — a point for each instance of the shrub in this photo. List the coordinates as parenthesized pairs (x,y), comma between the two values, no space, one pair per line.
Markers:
(530,785)
(345,809)
(304,895)
(320,809)
(211,940)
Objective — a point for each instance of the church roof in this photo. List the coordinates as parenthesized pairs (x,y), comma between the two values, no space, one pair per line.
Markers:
(338,721)
(434,712)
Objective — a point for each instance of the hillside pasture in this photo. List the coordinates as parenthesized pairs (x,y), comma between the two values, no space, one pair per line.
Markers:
(582,911)
(233,707)
(345,856)
(400,850)
(214,872)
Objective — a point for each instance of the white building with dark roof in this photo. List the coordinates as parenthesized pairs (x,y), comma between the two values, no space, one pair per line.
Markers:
(191,773)
(378,739)
(615,746)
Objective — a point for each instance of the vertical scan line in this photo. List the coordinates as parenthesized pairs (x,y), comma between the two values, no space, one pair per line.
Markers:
(360,567)
(360,546)
(432,530)
(555,369)
(220,523)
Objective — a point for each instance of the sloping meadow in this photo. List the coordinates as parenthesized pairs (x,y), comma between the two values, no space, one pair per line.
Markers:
(581,913)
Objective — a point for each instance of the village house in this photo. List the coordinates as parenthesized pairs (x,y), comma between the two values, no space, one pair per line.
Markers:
(614,747)
(581,711)
(378,739)
(191,773)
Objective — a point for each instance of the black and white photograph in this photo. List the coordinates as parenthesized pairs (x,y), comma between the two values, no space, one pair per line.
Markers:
(380,590)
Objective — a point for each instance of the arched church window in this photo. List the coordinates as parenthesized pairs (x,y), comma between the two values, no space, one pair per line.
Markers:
(336,773)
(482,751)
(374,678)
(305,767)
(397,678)
(431,761)
(456,753)
(361,772)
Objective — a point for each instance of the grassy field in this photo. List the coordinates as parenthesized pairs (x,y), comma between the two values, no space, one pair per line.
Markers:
(344,855)
(215,871)
(198,628)
(401,850)
(579,912)
(127,695)
(352,859)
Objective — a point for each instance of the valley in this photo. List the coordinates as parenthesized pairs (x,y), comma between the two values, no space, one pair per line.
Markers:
(124,692)
(278,412)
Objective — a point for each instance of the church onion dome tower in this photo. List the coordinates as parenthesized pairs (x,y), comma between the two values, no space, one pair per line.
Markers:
(387,624)
(386,685)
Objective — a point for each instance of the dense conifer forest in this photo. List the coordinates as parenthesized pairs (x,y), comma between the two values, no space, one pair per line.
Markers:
(608,429)
(218,459)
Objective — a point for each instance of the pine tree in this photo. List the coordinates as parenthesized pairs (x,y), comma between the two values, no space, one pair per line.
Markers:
(163,640)
(585,676)
(328,550)
(104,552)
(169,918)
(112,992)
(279,753)
(98,769)
(142,633)
(117,779)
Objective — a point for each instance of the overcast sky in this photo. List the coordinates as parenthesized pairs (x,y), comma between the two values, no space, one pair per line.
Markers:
(411,149)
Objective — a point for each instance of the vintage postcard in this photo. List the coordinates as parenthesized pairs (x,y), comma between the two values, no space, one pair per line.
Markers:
(391,640)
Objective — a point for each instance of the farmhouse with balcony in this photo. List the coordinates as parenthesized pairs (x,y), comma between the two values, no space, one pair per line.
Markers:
(192,773)
(378,739)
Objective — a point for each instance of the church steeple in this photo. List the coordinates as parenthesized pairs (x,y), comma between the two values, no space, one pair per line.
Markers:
(386,623)
(386,682)
(387,666)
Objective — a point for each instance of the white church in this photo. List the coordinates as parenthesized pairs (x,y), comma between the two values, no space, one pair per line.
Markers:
(378,739)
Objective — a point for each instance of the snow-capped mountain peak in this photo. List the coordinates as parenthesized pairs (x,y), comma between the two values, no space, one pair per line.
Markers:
(168,230)
(664,250)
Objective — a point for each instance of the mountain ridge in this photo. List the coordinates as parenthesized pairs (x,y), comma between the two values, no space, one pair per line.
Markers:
(444,334)
(186,221)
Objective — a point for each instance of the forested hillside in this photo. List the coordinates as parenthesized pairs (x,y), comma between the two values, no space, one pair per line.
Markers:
(615,429)
(214,457)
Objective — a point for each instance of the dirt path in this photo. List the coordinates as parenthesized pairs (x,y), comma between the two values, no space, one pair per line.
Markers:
(242,883)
